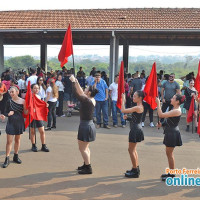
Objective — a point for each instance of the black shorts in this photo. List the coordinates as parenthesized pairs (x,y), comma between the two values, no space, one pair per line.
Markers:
(37,124)
(172,137)
(87,131)
(136,133)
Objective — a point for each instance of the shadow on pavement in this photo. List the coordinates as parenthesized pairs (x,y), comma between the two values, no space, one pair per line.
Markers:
(86,187)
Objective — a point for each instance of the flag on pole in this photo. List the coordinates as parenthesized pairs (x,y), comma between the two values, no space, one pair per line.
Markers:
(197,81)
(121,88)
(66,48)
(151,88)
(29,105)
(191,111)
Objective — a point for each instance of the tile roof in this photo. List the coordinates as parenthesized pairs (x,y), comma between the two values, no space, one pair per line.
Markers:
(132,18)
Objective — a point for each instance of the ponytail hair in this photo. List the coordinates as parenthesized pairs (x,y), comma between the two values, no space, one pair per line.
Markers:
(180,98)
(141,94)
(93,91)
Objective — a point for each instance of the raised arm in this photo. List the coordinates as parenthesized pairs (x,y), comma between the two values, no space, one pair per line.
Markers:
(171,113)
(77,89)
(77,86)
(128,110)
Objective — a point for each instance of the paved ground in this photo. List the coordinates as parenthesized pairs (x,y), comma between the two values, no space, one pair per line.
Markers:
(53,176)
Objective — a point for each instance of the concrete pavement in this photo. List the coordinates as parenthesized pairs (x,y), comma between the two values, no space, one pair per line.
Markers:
(53,176)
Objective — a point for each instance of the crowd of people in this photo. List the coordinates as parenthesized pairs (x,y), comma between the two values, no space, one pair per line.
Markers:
(92,96)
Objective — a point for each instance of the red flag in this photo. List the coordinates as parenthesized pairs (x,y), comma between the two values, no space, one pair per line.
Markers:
(121,88)
(40,109)
(191,111)
(37,109)
(67,47)
(151,88)
(197,81)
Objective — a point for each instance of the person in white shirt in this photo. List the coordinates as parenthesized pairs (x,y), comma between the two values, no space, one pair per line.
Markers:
(59,84)
(32,78)
(113,91)
(42,88)
(51,99)
(22,85)
(89,79)
(21,82)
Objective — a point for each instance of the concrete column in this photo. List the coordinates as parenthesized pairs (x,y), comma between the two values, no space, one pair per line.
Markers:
(111,66)
(125,56)
(43,56)
(114,54)
(1,54)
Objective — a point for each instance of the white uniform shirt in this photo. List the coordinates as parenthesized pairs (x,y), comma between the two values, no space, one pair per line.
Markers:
(42,93)
(60,86)
(52,99)
(21,84)
(114,88)
(32,79)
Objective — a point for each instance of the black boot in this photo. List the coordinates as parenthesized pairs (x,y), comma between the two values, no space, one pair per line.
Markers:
(34,148)
(133,173)
(16,159)
(128,171)
(6,163)
(86,170)
(81,167)
(44,148)
(165,176)
(188,128)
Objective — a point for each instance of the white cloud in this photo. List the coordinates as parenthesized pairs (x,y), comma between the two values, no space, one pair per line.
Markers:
(53,50)
(87,4)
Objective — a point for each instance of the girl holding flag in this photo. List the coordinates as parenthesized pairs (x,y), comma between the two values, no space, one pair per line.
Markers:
(38,124)
(15,124)
(171,130)
(86,131)
(189,93)
(136,133)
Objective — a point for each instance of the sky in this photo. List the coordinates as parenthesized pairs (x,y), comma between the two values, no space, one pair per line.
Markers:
(95,4)
(88,4)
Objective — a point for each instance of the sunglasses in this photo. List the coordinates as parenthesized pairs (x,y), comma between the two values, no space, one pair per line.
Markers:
(40,80)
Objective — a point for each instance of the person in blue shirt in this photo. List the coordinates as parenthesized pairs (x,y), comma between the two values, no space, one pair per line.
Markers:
(101,100)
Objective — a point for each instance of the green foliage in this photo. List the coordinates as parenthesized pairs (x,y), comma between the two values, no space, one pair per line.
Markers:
(20,62)
(180,68)
(181,65)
